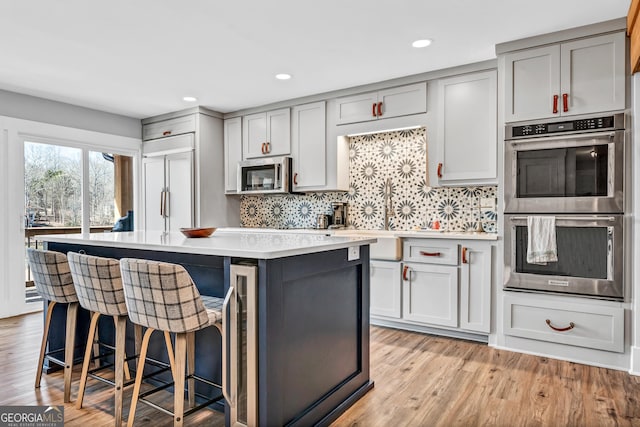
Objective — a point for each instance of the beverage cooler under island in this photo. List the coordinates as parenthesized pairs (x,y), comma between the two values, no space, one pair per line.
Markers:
(297,325)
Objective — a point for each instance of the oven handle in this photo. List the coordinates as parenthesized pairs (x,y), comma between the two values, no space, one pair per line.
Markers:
(542,138)
(570,218)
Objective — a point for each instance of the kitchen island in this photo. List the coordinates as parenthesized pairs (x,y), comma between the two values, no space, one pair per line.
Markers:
(298,331)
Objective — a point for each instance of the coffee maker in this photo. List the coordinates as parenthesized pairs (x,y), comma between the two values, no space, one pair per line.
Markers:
(339,218)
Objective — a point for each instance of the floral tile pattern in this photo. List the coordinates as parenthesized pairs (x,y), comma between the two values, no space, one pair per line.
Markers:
(400,156)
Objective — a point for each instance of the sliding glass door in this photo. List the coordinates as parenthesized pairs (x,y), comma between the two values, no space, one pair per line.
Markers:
(72,190)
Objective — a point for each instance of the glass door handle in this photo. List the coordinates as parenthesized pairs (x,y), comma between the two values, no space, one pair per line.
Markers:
(225,362)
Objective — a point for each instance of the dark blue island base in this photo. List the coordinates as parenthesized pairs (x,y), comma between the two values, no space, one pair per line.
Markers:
(312,329)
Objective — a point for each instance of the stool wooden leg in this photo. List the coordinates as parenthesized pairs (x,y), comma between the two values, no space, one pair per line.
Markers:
(172,359)
(69,348)
(178,386)
(137,337)
(43,346)
(87,358)
(127,374)
(139,374)
(96,346)
(121,329)
(191,368)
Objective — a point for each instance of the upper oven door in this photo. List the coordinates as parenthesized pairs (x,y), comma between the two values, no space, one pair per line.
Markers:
(589,251)
(581,173)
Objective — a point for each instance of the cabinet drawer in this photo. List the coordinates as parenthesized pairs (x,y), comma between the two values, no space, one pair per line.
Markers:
(594,326)
(170,127)
(431,251)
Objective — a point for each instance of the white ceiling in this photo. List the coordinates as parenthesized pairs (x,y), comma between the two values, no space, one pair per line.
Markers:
(140,57)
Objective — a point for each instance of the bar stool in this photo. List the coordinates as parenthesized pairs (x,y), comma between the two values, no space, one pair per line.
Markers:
(162,296)
(99,289)
(52,278)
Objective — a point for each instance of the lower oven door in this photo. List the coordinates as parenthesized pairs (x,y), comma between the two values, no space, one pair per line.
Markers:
(590,257)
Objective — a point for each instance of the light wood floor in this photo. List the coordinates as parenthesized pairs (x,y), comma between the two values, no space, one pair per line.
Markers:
(420,380)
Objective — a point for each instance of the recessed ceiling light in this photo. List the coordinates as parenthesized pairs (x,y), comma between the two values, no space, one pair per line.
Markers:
(283,76)
(190,99)
(421,43)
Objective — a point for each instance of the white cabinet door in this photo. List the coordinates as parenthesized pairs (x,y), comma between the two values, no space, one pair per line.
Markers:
(278,132)
(357,108)
(385,289)
(532,80)
(467,128)
(254,135)
(475,287)
(179,179)
(266,134)
(232,153)
(403,101)
(153,177)
(430,294)
(593,74)
(309,147)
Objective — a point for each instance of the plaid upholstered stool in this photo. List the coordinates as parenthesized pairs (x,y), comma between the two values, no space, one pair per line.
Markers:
(162,296)
(99,288)
(53,282)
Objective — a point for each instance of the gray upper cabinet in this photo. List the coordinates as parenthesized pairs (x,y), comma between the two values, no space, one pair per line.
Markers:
(308,147)
(266,134)
(467,129)
(576,77)
(393,102)
(232,153)
(170,127)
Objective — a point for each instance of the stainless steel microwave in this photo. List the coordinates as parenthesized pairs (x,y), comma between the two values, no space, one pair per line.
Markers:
(569,166)
(269,175)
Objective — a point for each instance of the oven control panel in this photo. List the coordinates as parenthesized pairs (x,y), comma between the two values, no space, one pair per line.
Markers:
(577,126)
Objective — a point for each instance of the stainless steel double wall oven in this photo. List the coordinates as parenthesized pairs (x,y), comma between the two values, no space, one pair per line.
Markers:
(572,169)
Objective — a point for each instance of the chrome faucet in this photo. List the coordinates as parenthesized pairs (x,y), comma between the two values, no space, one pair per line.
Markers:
(388,203)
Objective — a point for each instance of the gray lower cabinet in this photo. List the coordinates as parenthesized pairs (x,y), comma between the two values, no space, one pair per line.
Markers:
(591,324)
(430,294)
(386,289)
(440,283)
(475,286)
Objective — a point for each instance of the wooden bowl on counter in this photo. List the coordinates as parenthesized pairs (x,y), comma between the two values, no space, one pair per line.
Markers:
(198,232)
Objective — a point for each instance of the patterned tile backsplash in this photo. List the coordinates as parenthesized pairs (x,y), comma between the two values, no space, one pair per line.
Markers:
(400,156)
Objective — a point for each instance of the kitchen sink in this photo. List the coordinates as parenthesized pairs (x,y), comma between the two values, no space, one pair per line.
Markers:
(388,247)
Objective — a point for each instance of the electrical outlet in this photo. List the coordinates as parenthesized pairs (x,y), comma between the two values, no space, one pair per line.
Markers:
(488,202)
(354,253)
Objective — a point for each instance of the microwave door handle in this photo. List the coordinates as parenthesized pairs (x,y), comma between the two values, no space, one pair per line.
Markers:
(277,178)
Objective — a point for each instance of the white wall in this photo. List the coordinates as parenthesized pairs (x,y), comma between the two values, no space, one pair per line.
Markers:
(13,133)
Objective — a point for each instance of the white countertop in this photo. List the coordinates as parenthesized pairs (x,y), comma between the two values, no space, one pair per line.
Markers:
(421,234)
(243,243)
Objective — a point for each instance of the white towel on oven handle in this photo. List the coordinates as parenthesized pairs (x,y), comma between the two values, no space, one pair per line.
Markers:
(541,246)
